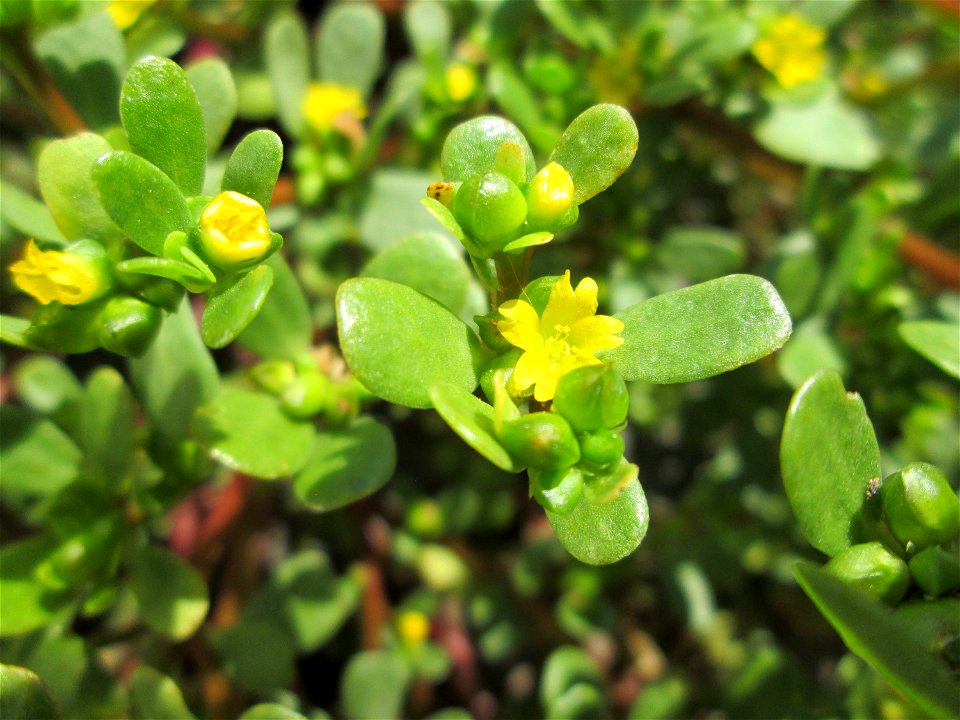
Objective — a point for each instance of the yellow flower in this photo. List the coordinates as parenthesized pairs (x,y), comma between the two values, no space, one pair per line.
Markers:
(792,49)
(413,627)
(62,276)
(234,229)
(125,13)
(566,337)
(461,81)
(550,194)
(324,103)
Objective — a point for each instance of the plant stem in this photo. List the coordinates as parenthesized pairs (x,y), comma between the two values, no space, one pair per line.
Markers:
(512,271)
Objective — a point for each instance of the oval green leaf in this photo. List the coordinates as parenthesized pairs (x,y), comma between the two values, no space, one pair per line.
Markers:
(399,343)
(283,328)
(471,148)
(937,341)
(217,94)
(604,534)
(230,309)
(254,166)
(28,215)
(108,419)
(828,457)
(350,45)
(472,419)
(144,202)
(346,465)
(171,595)
(249,432)
(154,696)
(386,671)
(701,331)
(596,149)
(288,64)
(24,695)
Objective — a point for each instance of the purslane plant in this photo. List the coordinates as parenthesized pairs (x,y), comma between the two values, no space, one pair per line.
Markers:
(553,371)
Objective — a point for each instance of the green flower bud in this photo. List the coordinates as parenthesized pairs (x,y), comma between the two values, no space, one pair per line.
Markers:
(274,375)
(491,209)
(307,395)
(601,449)
(935,571)
(919,505)
(592,397)
(541,440)
(128,325)
(549,196)
(161,292)
(557,491)
(490,333)
(872,568)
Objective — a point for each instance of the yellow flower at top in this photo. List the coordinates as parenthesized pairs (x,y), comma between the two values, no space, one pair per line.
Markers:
(51,275)
(792,49)
(324,103)
(125,13)
(413,627)
(566,337)
(461,81)
(234,229)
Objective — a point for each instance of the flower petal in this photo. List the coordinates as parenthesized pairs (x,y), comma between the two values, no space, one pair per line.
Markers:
(530,367)
(566,305)
(600,332)
(521,325)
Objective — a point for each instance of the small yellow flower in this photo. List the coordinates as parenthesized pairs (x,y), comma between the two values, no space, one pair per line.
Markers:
(325,103)
(550,194)
(125,13)
(792,49)
(566,337)
(413,627)
(461,81)
(52,275)
(234,229)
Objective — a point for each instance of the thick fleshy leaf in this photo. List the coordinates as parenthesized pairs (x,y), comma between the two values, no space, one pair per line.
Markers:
(578,25)
(213,83)
(519,102)
(288,64)
(387,672)
(937,341)
(107,416)
(49,387)
(254,166)
(171,595)
(86,58)
(346,465)
(565,667)
(471,148)
(399,343)
(390,213)
(144,202)
(888,643)
(38,459)
(596,149)
(28,215)
(810,349)
(429,264)
(829,456)
(603,534)
(428,26)
(230,309)
(164,121)
(472,420)
(257,655)
(350,45)
(271,711)
(249,432)
(24,695)
(64,173)
(283,328)
(701,331)
(154,696)
(826,132)
(701,253)
(27,604)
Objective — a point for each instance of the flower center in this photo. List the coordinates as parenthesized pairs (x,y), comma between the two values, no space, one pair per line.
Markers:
(557,346)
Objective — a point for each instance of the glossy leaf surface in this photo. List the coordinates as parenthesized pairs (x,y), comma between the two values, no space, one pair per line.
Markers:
(232,308)
(254,166)
(938,342)
(283,328)
(471,148)
(472,420)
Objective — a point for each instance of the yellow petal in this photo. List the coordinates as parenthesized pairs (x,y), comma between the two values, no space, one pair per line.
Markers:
(600,332)
(521,325)
(566,305)
(530,367)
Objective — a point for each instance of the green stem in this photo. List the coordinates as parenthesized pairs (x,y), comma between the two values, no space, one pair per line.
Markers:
(512,271)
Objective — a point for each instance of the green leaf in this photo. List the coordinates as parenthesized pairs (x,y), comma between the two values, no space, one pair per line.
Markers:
(38,459)
(254,166)
(249,432)
(578,25)
(179,271)
(346,465)
(164,121)
(472,420)
(517,101)
(379,669)
(663,699)
(141,199)
(701,253)
(271,711)
(64,173)
(828,457)
(826,132)
(810,349)
(171,596)
(890,645)
(175,376)
(350,46)
(565,667)
(441,213)
(213,83)
(231,308)
(471,148)
(398,342)
(27,604)
(597,148)
(16,331)
(529,240)
(429,264)
(937,341)
(85,59)
(390,213)
(603,534)
(429,28)
(47,385)
(28,215)
(24,696)
(288,64)
(701,331)
(108,418)
(258,656)
(154,696)
(283,328)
